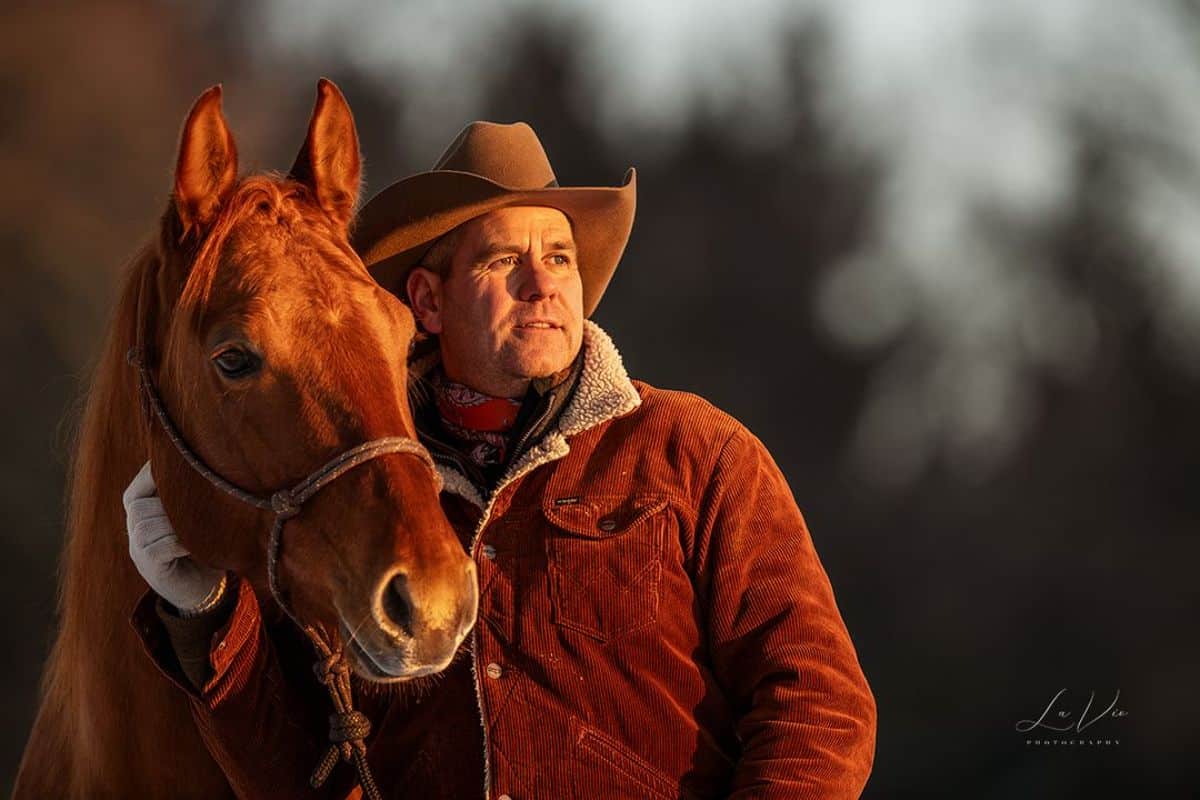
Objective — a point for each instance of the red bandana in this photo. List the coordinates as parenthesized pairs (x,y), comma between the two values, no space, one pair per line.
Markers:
(481,420)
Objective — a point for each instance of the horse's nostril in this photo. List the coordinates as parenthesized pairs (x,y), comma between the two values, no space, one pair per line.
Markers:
(397,603)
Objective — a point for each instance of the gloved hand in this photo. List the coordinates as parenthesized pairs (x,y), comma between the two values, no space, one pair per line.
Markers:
(158,555)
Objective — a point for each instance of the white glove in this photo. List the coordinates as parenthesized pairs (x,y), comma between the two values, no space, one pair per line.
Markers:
(159,556)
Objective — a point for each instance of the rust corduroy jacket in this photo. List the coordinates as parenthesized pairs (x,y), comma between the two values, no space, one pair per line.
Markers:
(654,623)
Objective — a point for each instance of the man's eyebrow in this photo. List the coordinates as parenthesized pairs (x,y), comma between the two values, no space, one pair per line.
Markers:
(490,251)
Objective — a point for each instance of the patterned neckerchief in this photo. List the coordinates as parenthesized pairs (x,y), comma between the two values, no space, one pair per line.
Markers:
(481,422)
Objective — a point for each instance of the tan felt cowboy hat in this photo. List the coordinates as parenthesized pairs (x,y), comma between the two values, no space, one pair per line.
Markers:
(488,166)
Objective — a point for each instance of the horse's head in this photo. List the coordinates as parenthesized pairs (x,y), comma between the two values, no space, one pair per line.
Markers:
(274,351)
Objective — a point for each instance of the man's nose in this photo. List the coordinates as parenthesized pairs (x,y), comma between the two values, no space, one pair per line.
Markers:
(538,282)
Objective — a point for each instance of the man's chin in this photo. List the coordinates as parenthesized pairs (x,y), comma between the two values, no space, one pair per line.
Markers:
(540,365)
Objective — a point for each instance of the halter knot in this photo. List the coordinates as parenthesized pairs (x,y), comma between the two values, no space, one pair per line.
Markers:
(348,726)
(284,505)
(331,667)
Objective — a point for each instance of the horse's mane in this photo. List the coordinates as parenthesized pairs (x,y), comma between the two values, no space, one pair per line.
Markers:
(109,444)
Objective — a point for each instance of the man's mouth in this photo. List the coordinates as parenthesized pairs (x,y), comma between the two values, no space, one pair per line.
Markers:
(539,324)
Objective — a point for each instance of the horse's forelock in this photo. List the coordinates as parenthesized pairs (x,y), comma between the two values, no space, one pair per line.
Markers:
(288,202)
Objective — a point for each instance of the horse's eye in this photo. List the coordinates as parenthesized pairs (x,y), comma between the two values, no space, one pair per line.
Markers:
(235,362)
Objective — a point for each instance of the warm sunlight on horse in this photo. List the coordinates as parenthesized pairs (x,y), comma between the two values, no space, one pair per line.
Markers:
(273,351)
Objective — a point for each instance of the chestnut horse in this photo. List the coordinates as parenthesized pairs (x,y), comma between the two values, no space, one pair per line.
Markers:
(273,351)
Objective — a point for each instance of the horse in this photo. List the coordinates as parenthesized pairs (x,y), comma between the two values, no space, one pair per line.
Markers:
(257,332)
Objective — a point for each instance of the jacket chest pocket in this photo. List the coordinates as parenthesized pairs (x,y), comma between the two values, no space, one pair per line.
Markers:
(604,557)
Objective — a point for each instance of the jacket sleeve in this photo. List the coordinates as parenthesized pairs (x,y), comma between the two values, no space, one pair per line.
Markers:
(191,637)
(778,645)
(263,729)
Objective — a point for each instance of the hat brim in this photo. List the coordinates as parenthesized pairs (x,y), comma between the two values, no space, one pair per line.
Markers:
(398,225)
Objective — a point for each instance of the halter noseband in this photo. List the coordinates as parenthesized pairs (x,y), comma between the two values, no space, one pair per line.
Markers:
(348,728)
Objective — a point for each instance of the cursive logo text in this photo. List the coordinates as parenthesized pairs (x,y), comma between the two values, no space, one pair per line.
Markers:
(1058,717)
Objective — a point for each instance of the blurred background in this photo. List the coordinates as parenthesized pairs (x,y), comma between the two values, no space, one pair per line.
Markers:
(941,256)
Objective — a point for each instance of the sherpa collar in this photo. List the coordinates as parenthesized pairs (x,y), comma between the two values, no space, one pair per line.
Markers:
(603,392)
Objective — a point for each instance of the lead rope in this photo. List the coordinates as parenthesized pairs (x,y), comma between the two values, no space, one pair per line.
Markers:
(348,728)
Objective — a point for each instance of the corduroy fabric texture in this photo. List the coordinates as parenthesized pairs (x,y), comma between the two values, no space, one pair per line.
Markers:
(654,622)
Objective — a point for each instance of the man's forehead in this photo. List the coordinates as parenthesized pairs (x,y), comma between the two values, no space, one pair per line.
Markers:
(518,222)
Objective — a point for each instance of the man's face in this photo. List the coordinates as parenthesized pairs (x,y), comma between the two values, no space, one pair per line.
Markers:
(510,306)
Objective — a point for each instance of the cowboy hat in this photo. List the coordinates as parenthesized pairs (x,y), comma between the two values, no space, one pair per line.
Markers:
(488,166)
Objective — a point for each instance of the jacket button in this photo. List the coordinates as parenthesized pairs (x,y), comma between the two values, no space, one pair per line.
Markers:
(489,552)
(607,524)
(493,670)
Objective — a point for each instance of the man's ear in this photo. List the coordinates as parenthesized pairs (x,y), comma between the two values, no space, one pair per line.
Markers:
(424,288)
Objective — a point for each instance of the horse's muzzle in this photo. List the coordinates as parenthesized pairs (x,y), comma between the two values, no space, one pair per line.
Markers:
(417,626)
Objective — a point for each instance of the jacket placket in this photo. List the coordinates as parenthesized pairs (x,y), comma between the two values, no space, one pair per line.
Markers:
(532,452)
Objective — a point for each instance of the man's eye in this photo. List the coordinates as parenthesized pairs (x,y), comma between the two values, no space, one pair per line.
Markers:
(235,362)
(559,258)
(507,261)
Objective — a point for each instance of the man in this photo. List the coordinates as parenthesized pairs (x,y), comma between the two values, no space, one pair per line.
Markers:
(653,618)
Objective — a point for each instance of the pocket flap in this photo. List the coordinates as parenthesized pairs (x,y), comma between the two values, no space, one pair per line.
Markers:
(597,517)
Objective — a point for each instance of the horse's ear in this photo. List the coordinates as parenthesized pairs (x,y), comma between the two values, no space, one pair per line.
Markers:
(207,168)
(329,161)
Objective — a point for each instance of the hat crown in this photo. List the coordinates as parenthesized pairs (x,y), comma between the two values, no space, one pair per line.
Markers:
(510,155)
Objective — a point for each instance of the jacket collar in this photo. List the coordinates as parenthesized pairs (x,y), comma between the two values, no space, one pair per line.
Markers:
(602,392)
